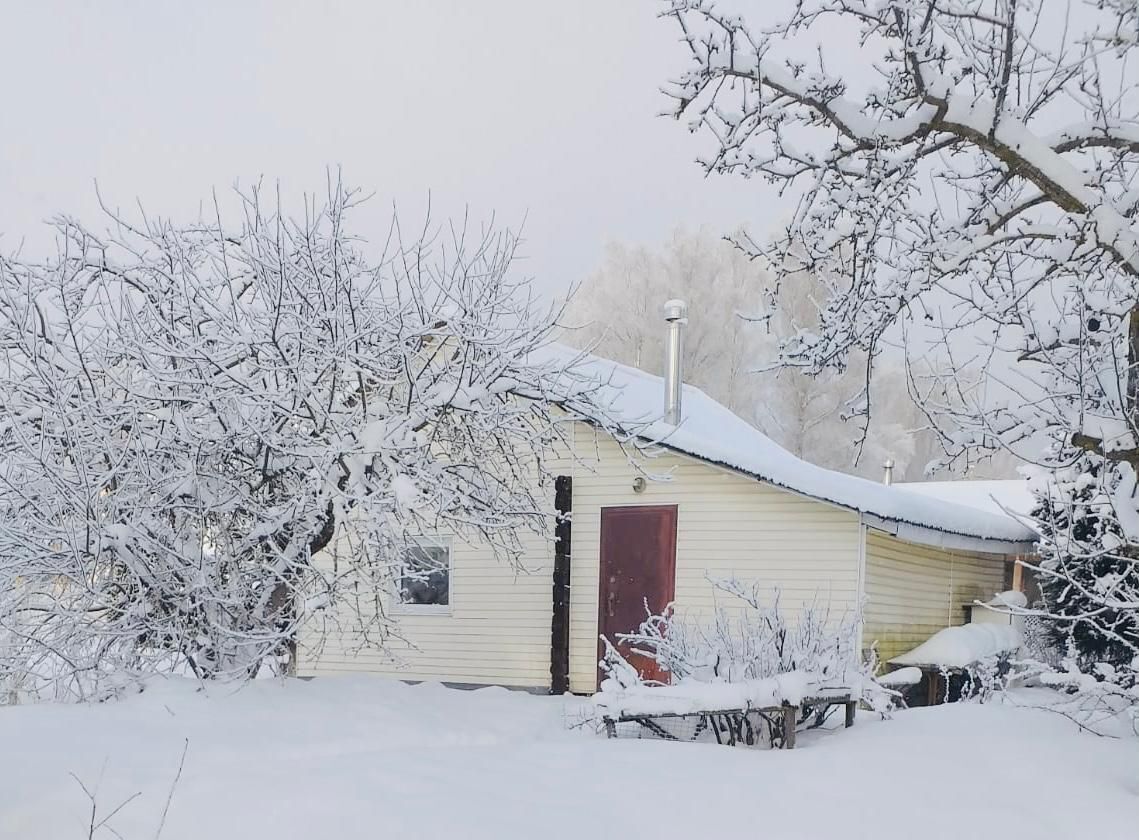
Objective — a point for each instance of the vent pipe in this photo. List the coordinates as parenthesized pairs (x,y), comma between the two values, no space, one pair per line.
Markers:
(888,472)
(676,316)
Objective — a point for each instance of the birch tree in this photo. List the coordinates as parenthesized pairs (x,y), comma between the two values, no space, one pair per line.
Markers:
(191,413)
(962,170)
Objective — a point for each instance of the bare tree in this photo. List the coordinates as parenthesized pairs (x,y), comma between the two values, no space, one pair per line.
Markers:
(968,175)
(189,414)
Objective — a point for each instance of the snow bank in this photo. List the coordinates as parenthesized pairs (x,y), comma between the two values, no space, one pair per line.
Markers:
(960,647)
(710,431)
(690,696)
(358,757)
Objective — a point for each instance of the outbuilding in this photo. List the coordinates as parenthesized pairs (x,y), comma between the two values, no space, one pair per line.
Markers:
(710,496)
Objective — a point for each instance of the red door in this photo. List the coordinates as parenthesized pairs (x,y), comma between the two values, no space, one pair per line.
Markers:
(638,563)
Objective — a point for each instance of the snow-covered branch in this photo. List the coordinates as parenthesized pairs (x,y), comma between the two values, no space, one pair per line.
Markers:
(749,638)
(966,172)
(191,414)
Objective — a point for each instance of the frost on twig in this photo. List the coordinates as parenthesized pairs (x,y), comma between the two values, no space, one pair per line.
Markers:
(750,637)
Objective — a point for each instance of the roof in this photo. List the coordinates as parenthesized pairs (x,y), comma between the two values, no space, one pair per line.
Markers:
(1008,497)
(711,432)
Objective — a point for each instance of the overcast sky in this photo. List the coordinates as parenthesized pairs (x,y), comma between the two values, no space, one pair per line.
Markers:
(543,110)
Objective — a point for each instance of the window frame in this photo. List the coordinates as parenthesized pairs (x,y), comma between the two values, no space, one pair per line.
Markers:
(401,607)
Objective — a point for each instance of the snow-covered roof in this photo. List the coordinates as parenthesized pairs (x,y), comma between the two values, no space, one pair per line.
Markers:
(711,432)
(1008,497)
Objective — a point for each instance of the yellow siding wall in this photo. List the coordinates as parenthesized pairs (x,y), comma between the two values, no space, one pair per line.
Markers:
(727,525)
(497,631)
(914,590)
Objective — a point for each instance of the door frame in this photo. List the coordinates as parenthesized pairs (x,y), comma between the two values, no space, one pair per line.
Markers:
(670,576)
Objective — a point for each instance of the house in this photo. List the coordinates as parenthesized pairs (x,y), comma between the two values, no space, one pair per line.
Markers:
(718,498)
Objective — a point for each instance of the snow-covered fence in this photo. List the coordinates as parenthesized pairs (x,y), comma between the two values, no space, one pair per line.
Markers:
(748,712)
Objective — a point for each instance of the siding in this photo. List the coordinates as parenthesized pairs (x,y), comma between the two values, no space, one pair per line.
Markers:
(913,590)
(727,525)
(498,630)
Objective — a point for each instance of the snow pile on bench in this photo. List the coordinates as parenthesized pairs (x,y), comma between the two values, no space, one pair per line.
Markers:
(960,647)
(1010,600)
(695,696)
(901,678)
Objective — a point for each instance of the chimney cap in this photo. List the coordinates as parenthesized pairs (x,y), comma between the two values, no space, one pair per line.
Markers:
(888,474)
(675,310)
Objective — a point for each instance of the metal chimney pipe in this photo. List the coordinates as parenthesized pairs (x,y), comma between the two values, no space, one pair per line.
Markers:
(888,475)
(676,315)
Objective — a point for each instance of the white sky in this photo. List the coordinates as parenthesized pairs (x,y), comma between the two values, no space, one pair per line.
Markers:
(543,110)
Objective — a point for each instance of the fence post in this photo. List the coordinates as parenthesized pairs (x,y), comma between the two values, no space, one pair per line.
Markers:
(790,718)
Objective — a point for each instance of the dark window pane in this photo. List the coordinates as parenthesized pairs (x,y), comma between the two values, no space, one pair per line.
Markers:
(426,576)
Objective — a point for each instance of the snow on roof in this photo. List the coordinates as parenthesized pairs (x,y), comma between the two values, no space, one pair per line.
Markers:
(711,432)
(1010,497)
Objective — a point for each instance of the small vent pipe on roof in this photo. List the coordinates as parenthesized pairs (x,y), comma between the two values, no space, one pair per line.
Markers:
(888,472)
(676,316)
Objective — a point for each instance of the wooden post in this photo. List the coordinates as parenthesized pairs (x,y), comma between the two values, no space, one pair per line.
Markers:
(934,680)
(790,718)
(559,619)
(851,708)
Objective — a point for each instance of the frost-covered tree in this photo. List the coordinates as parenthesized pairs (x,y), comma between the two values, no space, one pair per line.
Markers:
(824,418)
(1073,581)
(616,312)
(963,171)
(806,414)
(190,414)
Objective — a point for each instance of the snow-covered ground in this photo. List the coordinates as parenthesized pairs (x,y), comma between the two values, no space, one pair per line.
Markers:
(363,757)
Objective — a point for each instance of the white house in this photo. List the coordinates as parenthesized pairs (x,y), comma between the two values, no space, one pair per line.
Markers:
(722,500)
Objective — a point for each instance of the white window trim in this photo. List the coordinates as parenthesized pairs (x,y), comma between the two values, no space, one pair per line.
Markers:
(398,607)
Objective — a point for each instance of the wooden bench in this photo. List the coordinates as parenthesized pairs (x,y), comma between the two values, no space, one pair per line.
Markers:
(735,726)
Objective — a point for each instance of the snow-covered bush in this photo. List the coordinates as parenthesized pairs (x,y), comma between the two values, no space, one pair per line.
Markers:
(748,639)
(1088,574)
(1100,700)
(191,413)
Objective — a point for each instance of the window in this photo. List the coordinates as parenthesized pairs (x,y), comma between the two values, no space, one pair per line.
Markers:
(425,580)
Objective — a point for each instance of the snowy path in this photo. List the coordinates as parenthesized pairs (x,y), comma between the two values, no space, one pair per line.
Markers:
(366,758)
